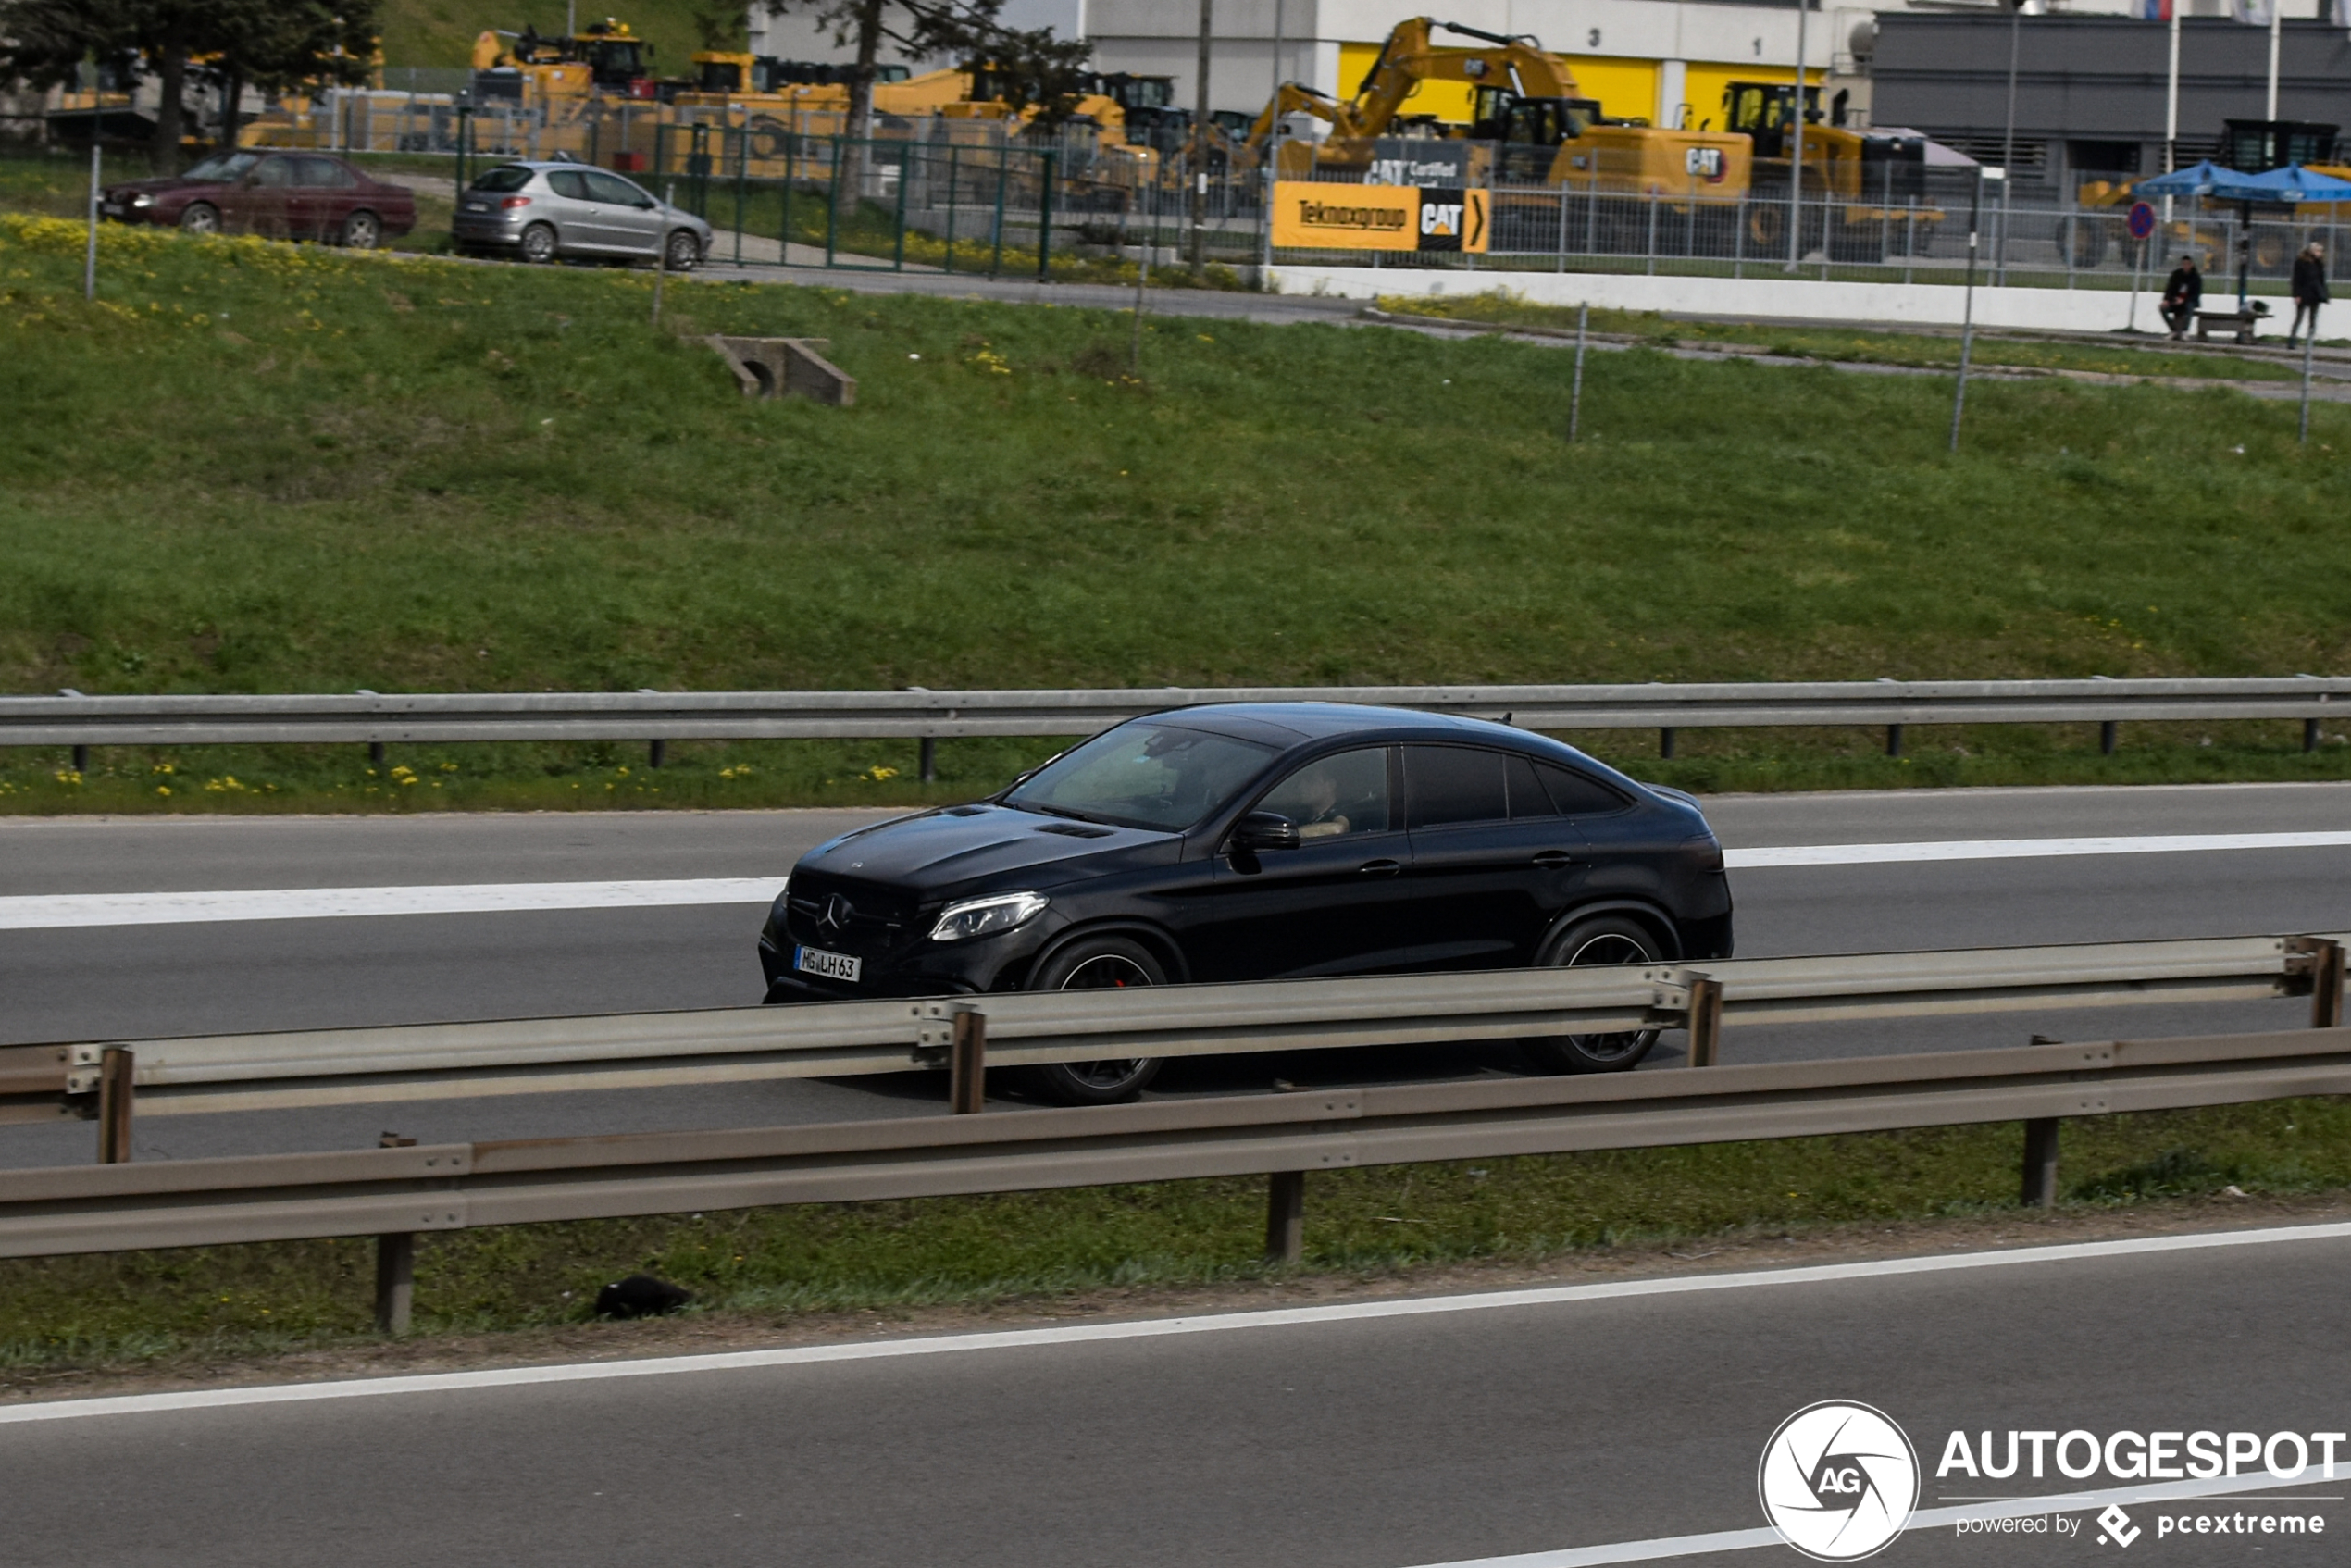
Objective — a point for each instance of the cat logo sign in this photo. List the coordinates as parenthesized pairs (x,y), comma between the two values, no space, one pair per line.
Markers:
(1309,215)
(1704,163)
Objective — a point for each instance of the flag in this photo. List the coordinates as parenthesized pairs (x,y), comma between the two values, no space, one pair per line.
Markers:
(2252,13)
(2161,11)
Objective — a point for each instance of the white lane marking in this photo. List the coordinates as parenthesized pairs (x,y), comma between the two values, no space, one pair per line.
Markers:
(1155,1329)
(47,910)
(1924,1519)
(2022,849)
(51,911)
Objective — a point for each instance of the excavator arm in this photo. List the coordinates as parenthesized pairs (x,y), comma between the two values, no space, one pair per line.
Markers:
(1411,57)
(1295,97)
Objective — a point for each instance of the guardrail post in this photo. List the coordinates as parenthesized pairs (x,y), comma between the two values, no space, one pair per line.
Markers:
(657,753)
(1706,1020)
(1893,739)
(376,754)
(1286,1217)
(2107,730)
(1665,745)
(968,1059)
(2310,738)
(930,759)
(395,1265)
(2040,1162)
(2326,984)
(81,756)
(115,1094)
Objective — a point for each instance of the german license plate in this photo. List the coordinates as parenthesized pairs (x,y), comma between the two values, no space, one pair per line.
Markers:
(831,965)
(476,206)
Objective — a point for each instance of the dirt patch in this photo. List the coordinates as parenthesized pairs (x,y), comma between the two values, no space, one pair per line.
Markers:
(710,1333)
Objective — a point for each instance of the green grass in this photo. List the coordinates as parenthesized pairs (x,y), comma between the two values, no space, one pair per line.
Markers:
(774,1263)
(254,467)
(1935,351)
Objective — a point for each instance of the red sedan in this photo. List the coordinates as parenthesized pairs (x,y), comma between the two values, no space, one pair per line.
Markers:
(283,195)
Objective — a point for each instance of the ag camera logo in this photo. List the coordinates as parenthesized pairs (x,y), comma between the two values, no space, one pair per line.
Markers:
(1838,1481)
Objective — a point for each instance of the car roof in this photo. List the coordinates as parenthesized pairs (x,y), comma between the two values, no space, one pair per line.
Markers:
(1299,722)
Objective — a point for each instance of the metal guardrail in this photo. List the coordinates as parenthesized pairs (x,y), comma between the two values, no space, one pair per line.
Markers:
(295,1069)
(397,1192)
(73,719)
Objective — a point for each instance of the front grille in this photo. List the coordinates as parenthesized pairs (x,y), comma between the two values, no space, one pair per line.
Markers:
(876,918)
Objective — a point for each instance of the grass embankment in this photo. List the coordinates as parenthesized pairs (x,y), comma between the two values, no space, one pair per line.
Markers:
(1929,349)
(256,467)
(442,33)
(769,1266)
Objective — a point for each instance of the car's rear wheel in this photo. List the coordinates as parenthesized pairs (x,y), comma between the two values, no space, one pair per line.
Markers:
(199,218)
(538,244)
(1097,964)
(362,230)
(1605,939)
(682,250)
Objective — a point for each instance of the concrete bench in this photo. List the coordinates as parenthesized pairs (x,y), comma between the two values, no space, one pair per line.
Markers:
(2238,324)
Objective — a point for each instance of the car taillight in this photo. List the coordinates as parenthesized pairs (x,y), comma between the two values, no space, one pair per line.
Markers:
(516,202)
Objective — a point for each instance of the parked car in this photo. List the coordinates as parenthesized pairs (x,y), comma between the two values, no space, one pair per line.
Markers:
(545,212)
(284,195)
(1258,842)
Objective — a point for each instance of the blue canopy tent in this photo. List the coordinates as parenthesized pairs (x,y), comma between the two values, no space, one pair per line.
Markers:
(2289,186)
(2196,179)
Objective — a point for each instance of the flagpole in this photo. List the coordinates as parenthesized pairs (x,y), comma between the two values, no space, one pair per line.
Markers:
(2276,19)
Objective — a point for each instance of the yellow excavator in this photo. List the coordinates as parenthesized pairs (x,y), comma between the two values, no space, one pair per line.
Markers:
(1875,181)
(1530,126)
(559,73)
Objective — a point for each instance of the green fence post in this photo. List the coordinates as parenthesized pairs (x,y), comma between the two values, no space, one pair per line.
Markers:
(1003,168)
(1045,222)
(832,205)
(783,223)
(905,178)
(660,148)
(742,186)
(951,168)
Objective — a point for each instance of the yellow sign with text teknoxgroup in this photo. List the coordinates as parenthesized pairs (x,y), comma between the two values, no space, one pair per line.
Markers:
(1379,217)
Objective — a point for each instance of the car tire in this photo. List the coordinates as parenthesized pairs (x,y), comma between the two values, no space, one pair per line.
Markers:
(1090,964)
(682,251)
(538,246)
(1604,938)
(199,218)
(363,230)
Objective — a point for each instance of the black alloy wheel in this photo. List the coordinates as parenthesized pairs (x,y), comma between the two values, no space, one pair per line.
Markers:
(1097,964)
(1606,938)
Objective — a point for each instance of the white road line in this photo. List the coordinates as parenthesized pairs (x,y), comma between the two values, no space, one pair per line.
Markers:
(37,911)
(1665,1546)
(2022,849)
(1155,1329)
(49,910)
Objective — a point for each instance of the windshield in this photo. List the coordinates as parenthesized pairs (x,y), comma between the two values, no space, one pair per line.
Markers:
(224,166)
(1143,775)
(511,178)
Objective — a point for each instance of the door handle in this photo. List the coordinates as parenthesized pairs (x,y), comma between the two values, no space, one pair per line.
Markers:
(1554,860)
(1378,868)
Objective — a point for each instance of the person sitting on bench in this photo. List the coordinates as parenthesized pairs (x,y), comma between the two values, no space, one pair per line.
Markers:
(2183,292)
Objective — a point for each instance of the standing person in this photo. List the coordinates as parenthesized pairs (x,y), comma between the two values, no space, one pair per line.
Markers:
(2183,292)
(2309,290)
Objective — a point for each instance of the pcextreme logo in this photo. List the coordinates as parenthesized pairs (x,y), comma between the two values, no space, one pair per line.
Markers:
(1838,1481)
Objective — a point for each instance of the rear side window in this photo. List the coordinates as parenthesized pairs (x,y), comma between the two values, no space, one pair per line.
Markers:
(276,174)
(1448,784)
(511,178)
(1577,795)
(1528,798)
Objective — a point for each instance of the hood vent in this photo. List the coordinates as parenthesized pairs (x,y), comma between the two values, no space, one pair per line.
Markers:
(1076,830)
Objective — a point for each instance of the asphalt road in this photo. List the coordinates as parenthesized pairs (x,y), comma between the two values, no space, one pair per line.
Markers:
(145,981)
(1365,1442)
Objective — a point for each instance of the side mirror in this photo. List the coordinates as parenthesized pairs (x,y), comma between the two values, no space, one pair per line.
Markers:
(1261,831)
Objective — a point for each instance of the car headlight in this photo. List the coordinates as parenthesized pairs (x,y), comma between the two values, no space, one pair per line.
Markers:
(142,200)
(986,918)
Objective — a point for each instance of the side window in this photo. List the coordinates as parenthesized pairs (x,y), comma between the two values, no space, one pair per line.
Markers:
(1334,796)
(275,174)
(322,173)
(612,188)
(568,184)
(1577,795)
(1454,784)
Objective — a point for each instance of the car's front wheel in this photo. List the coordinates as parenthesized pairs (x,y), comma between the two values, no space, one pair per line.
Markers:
(1605,939)
(362,230)
(682,252)
(1097,964)
(538,244)
(199,218)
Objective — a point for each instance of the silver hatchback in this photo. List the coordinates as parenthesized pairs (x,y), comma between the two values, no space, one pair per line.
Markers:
(549,211)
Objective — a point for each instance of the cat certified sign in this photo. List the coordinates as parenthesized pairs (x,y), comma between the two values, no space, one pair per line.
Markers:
(1379,217)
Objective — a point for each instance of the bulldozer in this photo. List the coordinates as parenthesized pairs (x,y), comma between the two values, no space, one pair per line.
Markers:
(1870,177)
(1530,126)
